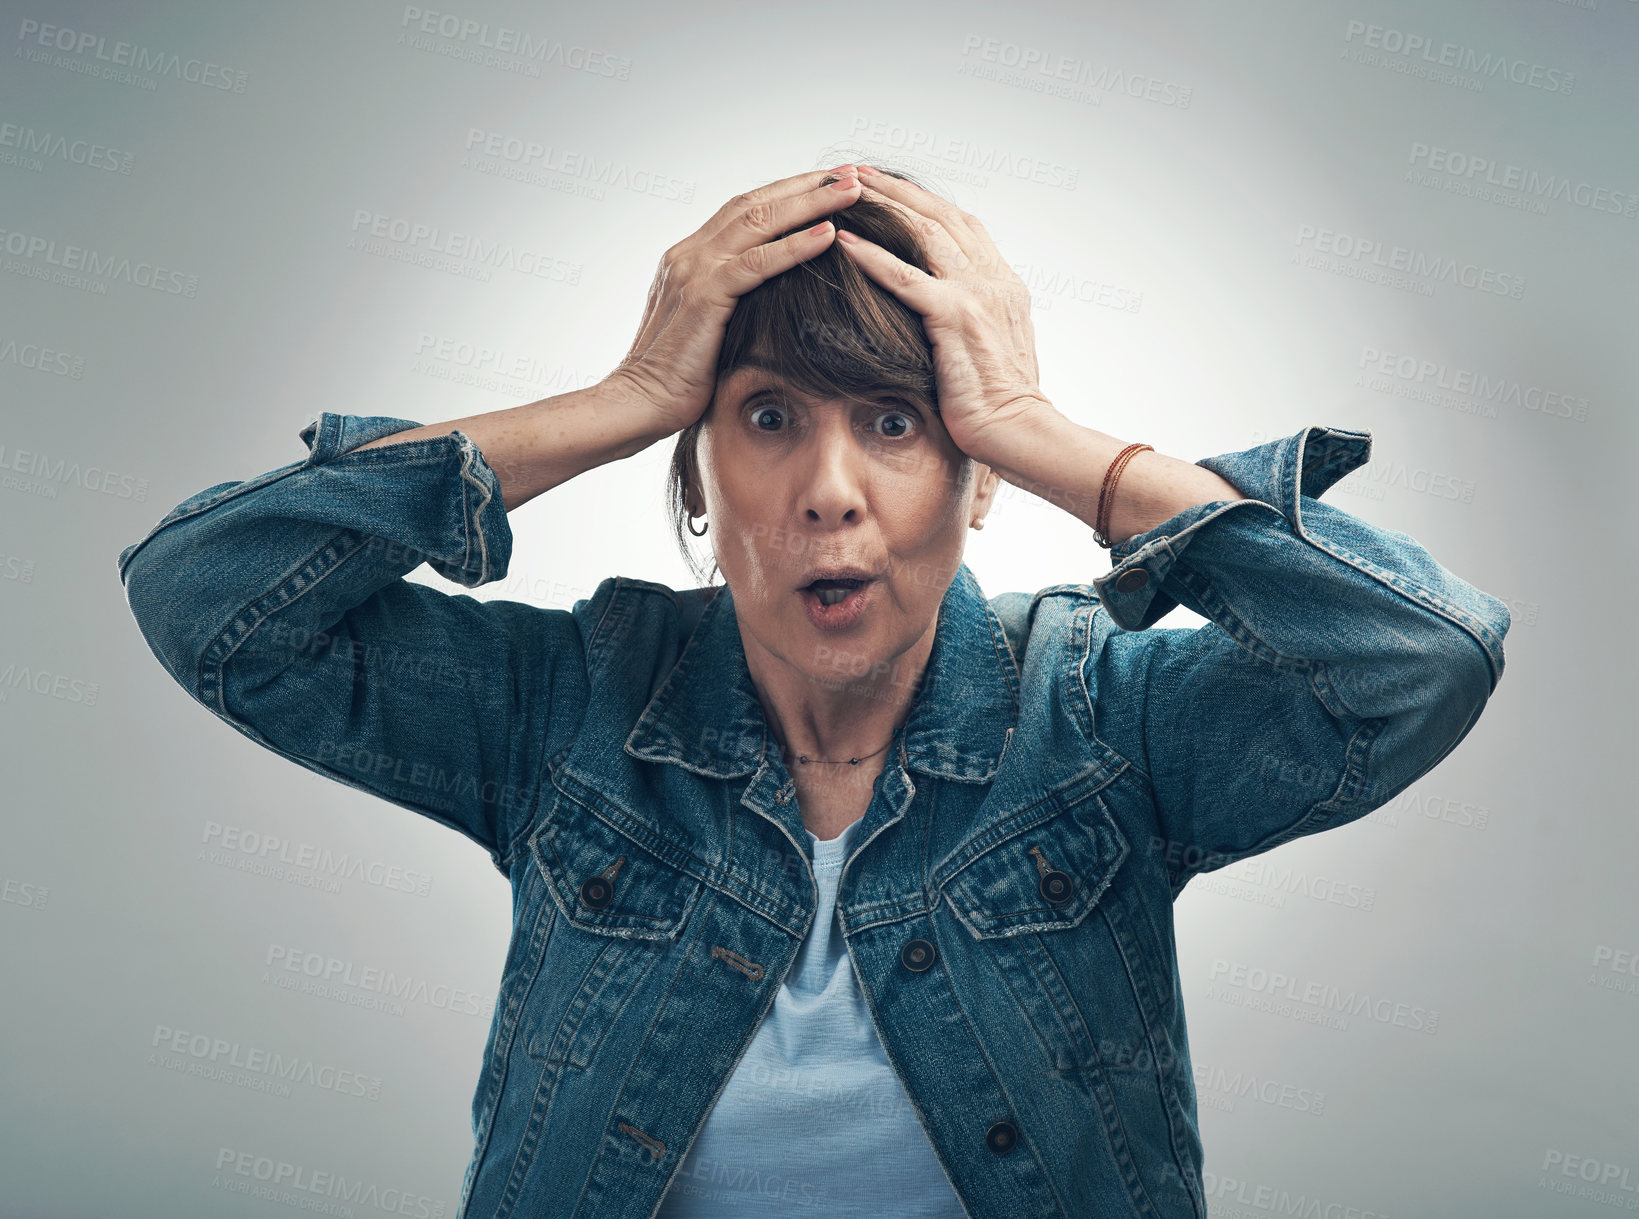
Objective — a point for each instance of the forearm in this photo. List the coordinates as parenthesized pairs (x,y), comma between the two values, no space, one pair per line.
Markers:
(1340,663)
(1064,463)
(271,563)
(536,447)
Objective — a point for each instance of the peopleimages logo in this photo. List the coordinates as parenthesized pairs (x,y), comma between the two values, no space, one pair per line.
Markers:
(54,145)
(1323,996)
(1599,1180)
(45,472)
(533,155)
(969,154)
(485,44)
(39,358)
(218,1058)
(1240,1084)
(1486,64)
(515,365)
(1486,171)
(1060,70)
(1368,252)
(1279,1201)
(433,246)
(1067,285)
(329,972)
(115,55)
(14,676)
(276,849)
(25,894)
(1285,879)
(1489,390)
(43,258)
(306,1188)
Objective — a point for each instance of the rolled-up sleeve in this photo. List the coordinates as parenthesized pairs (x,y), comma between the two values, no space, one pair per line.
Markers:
(280,604)
(1339,663)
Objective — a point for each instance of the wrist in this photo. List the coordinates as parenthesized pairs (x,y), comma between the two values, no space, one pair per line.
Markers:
(1065,463)
(1014,448)
(632,411)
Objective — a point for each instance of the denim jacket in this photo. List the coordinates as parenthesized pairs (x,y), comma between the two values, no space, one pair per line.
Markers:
(1008,904)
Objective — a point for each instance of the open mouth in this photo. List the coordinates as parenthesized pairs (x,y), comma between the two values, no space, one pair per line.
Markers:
(832,592)
(837,603)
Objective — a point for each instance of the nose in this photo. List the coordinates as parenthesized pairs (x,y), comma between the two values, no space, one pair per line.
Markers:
(833,494)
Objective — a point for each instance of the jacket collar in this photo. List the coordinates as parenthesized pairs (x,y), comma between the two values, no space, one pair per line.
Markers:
(707,717)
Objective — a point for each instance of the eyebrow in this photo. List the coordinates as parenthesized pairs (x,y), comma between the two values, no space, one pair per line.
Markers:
(751,367)
(751,370)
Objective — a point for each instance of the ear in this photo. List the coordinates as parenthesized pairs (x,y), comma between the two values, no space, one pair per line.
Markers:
(989,483)
(693,502)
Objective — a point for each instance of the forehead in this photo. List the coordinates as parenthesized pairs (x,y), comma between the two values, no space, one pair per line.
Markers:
(750,376)
(750,370)
(750,373)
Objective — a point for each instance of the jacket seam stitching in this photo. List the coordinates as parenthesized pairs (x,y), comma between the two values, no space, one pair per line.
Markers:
(1131,970)
(1351,785)
(1421,598)
(1082,663)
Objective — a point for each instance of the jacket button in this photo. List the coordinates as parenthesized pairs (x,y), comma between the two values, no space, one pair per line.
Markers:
(1133,580)
(596,892)
(916,955)
(1056,887)
(1001,1137)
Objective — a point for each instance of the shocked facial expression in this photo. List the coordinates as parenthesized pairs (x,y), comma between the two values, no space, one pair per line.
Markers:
(807,496)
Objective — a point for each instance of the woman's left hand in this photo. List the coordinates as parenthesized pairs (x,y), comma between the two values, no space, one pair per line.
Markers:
(975,309)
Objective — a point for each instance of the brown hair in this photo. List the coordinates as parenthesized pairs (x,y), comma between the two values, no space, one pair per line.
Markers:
(828,329)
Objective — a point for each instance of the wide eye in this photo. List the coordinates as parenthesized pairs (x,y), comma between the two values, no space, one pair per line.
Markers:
(897,423)
(765,411)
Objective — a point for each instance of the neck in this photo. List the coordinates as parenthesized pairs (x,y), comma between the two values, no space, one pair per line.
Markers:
(832,717)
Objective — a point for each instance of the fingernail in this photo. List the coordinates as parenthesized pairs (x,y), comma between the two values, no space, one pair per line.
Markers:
(820,227)
(841,169)
(845,235)
(845,184)
(867,171)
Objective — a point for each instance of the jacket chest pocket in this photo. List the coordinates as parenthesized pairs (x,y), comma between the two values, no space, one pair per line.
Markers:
(1059,934)
(620,908)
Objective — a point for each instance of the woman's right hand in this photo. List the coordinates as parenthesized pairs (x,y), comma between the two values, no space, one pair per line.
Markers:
(672,365)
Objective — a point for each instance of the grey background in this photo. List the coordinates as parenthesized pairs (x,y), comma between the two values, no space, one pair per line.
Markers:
(1498,892)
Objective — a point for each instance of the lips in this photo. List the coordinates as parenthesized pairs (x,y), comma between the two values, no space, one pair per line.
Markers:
(835,577)
(832,591)
(837,602)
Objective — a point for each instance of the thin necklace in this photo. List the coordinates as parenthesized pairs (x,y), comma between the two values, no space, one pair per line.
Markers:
(805,759)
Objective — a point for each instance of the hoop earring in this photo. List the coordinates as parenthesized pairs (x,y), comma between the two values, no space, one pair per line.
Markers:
(702,532)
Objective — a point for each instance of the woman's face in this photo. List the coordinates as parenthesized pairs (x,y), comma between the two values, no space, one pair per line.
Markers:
(794,486)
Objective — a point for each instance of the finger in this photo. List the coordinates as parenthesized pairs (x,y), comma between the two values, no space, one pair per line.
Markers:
(921,291)
(908,193)
(742,273)
(966,229)
(768,212)
(777,189)
(945,256)
(924,202)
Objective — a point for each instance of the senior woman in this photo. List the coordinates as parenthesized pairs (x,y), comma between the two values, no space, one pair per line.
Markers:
(837,887)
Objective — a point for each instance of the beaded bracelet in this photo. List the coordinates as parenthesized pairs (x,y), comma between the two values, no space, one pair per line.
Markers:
(1106,497)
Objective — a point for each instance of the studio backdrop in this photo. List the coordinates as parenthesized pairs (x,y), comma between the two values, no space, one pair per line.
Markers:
(1236,220)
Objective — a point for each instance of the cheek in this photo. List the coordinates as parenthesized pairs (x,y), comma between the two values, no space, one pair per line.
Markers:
(754,546)
(933,508)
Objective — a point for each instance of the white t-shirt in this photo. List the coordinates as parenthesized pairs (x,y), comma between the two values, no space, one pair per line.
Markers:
(814,1121)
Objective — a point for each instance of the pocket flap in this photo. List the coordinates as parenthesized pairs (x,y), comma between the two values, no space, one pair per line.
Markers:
(603,880)
(1044,875)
